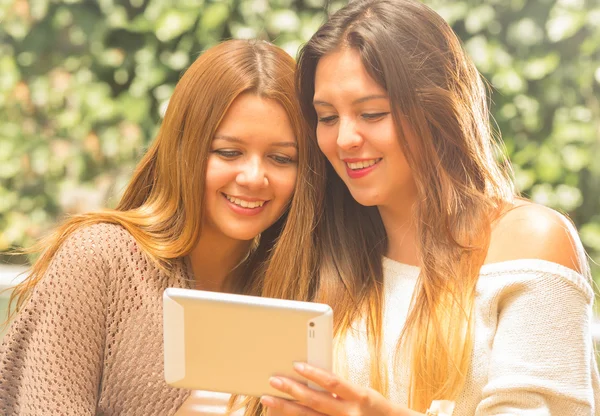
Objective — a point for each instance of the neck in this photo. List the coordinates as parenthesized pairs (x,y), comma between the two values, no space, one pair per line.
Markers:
(214,261)
(401,229)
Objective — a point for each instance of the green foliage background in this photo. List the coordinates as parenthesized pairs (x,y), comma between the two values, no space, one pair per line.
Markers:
(83,85)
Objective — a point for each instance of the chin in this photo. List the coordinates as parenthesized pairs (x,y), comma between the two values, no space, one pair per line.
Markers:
(242,235)
(365,200)
(365,203)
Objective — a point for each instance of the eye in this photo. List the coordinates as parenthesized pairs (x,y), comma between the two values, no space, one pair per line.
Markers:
(227,154)
(327,120)
(282,159)
(374,116)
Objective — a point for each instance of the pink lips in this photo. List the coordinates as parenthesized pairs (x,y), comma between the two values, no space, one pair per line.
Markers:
(245,211)
(359,173)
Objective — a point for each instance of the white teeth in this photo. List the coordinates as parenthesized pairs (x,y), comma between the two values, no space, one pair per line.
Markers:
(243,203)
(362,164)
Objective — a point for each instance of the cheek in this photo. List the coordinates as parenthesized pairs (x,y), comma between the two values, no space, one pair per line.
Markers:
(326,140)
(218,175)
(386,140)
(284,184)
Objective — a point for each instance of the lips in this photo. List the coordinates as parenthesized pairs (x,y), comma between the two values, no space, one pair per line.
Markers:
(245,205)
(358,168)
(362,164)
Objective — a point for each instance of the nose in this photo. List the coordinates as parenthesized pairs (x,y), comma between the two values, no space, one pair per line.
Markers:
(348,137)
(252,175)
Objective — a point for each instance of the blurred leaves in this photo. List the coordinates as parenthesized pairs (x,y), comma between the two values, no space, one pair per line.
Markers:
(542,59)
(83,85)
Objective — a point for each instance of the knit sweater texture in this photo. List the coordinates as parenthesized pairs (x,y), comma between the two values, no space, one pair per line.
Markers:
(532,354)
(89,340)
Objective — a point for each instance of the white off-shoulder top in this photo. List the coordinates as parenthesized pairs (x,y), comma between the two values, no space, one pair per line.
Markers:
(533,352)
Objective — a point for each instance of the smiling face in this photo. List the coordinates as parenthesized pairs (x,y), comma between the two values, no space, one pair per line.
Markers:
(356,131)
(252,167)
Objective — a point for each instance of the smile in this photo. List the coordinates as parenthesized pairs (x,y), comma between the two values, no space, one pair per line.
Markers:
(362,164)
(245,203)
(358,168)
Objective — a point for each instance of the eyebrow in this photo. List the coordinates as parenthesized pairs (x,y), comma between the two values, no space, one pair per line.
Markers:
(234,139)
(357,101)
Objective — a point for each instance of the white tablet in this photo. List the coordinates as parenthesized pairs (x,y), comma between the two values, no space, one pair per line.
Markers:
(234,343)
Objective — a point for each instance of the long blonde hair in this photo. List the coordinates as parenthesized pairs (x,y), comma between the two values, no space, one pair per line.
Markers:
(162,206)
(435,89)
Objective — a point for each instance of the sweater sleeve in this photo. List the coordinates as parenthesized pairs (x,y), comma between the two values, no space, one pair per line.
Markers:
(53,351)
(542,350)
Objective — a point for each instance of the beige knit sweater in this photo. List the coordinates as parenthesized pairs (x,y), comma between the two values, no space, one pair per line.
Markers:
(90,339)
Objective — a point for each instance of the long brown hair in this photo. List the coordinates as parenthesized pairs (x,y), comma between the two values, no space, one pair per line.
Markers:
(163,204)
(435,91)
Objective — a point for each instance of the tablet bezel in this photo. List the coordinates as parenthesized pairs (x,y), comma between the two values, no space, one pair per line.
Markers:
(193,318)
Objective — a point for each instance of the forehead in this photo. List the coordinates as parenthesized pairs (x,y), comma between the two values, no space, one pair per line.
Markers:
(251,116)
(248,104)
(342,73)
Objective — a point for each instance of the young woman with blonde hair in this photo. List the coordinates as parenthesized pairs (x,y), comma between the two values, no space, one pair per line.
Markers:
(224,199)
(444,284)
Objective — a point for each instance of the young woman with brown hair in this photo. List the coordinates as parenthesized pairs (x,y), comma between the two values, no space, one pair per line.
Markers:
(444,284)
(224,195)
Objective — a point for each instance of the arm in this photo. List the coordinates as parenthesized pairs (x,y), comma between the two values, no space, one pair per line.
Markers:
(52,354)
(542,354)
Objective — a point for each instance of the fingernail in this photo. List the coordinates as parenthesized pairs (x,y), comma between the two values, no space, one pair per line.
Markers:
(275,382)
(267,401)
(299,367)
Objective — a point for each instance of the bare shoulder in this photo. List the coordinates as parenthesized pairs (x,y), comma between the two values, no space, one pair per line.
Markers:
(533,231)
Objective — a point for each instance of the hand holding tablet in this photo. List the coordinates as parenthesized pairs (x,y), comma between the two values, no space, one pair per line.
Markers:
(235,343)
